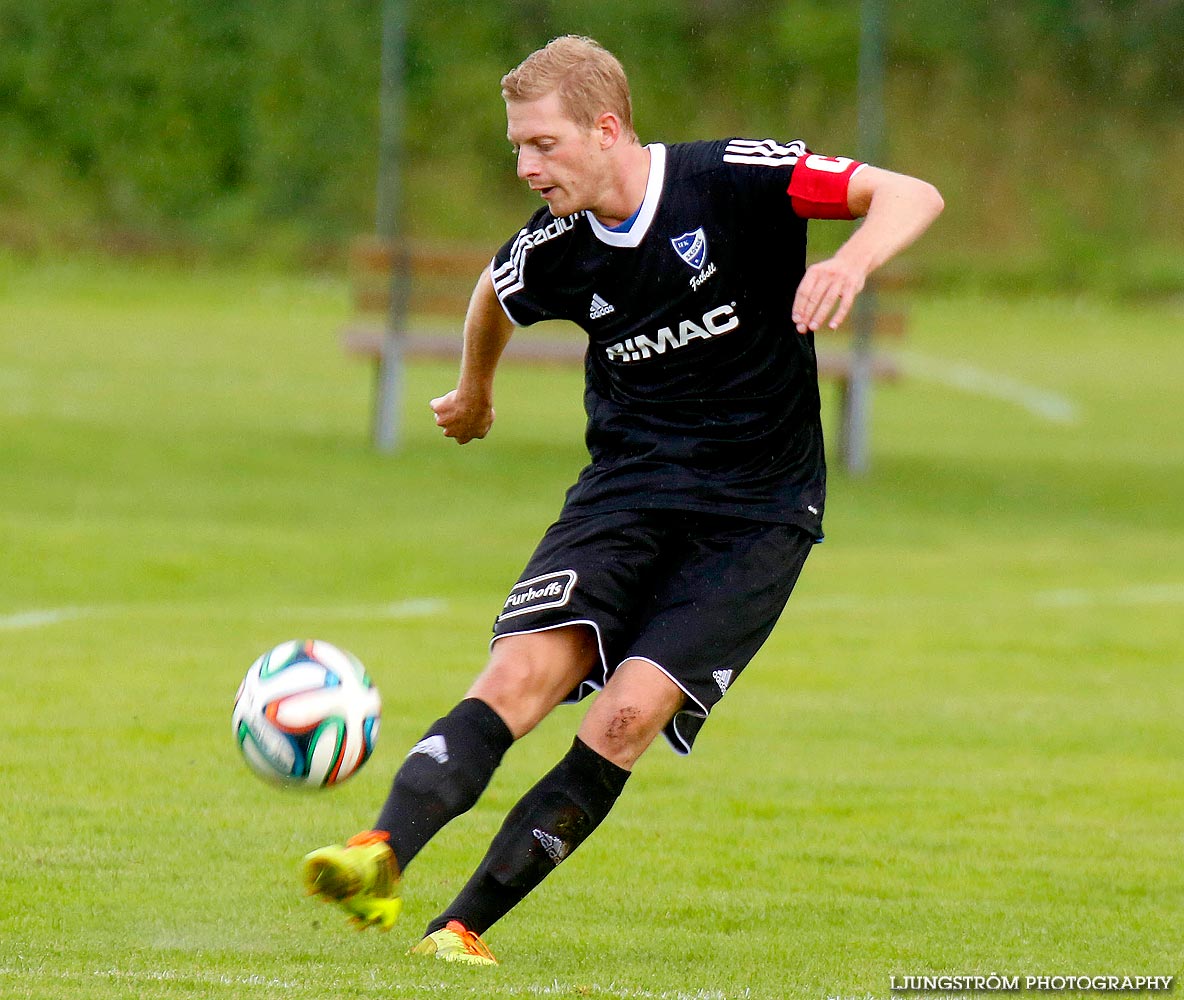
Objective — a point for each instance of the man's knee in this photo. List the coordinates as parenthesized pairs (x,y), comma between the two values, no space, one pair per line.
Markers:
(623,733)
(528,675)
(626,732)
(630,712)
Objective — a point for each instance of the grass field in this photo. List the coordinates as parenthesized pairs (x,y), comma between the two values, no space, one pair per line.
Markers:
(961,752)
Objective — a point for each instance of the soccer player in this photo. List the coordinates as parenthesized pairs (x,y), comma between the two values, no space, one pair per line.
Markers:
(677,547)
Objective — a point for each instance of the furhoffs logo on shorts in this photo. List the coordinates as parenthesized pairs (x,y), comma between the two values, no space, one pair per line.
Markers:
(552,590)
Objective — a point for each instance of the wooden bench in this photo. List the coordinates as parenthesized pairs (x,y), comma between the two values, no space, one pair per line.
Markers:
(437,281)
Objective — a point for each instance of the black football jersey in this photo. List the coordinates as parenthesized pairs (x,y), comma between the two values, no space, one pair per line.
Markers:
(700,394)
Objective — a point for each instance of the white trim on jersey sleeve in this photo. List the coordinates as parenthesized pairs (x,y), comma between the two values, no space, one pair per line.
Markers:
(649,205)
(501,301)
(764,152)
(507,279)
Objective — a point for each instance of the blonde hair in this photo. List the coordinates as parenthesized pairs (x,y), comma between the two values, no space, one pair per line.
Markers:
(588,78)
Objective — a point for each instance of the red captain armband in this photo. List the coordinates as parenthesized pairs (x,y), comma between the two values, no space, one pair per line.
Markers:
(818,187)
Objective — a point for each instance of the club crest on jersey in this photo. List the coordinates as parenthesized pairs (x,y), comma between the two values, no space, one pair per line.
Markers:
(692,247)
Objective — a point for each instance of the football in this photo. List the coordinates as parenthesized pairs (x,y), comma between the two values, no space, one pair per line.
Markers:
(306,714)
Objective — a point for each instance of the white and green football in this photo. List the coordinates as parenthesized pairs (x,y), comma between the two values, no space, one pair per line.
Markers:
(306,714)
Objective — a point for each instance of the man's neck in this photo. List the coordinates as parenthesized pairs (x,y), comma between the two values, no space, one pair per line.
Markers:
(624,198)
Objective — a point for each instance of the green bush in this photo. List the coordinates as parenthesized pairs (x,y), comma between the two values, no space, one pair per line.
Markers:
(1053,128)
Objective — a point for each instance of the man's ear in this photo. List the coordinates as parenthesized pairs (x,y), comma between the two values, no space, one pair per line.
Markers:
(609,127)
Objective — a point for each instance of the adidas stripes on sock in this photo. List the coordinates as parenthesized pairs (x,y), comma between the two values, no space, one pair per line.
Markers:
(543,829)
(443,776)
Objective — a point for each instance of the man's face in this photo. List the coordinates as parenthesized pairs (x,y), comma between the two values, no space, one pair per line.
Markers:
(556,157)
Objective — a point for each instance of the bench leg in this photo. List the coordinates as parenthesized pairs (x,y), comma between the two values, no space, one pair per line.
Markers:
(388,392)
(854,419)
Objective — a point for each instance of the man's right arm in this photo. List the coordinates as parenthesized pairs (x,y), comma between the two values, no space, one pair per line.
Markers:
(466,412)
(896,210)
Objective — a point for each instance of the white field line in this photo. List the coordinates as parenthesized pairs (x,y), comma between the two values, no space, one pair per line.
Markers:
(1134,596)
(40,972)
(429,607)
(40,617)
(1042,403)
(424,607)
(557,988)
(1164,593)
(554,988)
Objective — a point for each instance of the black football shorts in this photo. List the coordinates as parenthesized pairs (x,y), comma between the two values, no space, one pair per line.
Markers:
(694,594)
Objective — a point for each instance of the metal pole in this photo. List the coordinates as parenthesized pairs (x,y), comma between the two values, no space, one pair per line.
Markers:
(389,378)
(855,403)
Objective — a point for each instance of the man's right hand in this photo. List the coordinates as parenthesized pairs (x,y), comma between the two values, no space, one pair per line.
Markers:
(461,417)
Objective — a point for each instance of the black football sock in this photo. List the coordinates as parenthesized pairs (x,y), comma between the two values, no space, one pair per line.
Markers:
(443,776)
(548,823)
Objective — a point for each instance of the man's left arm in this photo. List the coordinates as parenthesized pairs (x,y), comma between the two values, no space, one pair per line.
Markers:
(896,210)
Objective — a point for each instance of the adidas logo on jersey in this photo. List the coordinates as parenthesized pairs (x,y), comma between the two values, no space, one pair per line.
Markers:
(434,747)
(719,320)
(723,678)
(599,308)
(556,849)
